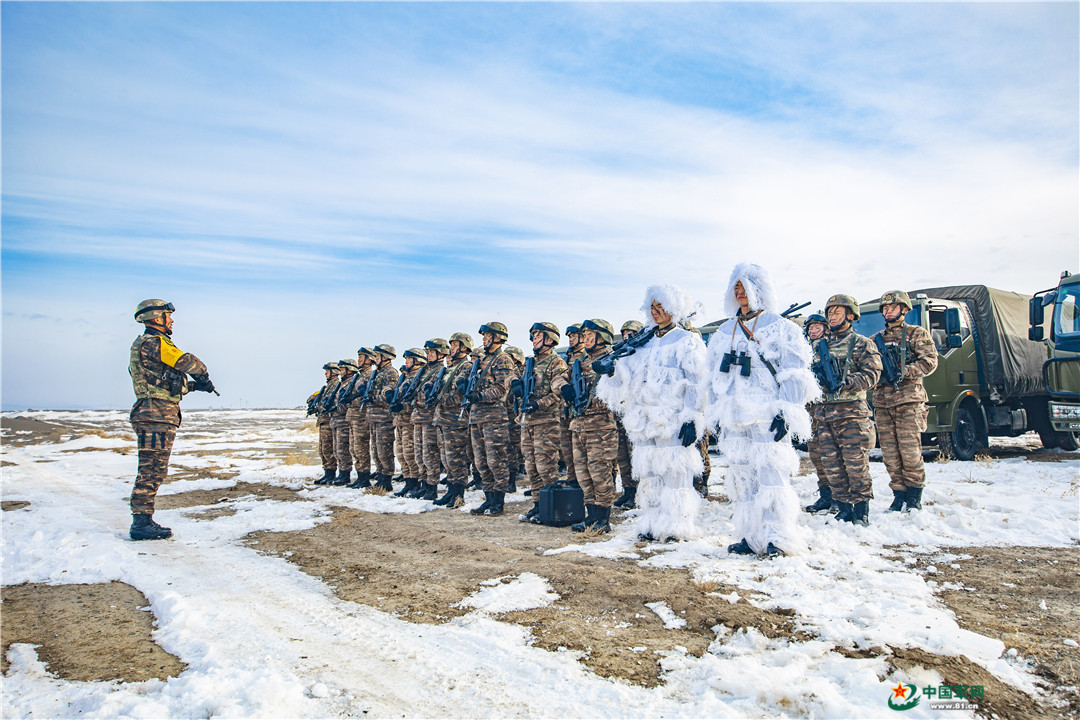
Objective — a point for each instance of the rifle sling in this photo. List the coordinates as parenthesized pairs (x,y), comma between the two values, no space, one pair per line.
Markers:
(750,336)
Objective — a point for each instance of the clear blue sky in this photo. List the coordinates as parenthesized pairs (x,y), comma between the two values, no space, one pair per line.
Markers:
(301,179)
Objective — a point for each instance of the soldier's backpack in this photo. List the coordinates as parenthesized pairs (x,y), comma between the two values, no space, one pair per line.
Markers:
(561,505)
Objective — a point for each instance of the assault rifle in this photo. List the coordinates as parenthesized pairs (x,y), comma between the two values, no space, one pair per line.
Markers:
(408,393)
(892,362)
(368,388)
(579,391)
(467,386)
(394,397)
(347,393)
(623,348)
(827,369)
(328,404)
(523,388)
(433,388)
(794,307)
(313,403)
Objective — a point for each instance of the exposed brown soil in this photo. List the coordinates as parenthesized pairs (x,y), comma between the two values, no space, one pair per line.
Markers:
(215,497)
(13,505)
(86,632)
(19,431)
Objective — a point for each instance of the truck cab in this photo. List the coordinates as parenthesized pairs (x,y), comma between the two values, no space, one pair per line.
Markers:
(1061,371)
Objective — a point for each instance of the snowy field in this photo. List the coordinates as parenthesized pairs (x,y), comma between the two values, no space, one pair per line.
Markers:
(261,638)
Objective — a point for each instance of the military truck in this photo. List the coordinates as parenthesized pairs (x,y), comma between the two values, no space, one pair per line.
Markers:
(989,376)
(1061,370)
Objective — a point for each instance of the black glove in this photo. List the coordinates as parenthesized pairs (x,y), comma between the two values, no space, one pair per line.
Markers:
(462,383)
(688,433)
(530,407)
(604,366)
(389,395)
(473,397)
(567,393)
(779,427)
(517,387)
(202,383)
(397,407)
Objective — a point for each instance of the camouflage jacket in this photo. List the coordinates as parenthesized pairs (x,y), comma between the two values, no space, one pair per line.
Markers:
(918,358)
(449,406)
(549,376)
(497,371)
(158,372)
(339,410)
(421,413)
(377,409)
(404,416)
(596,406)
(362,377)
(860,369)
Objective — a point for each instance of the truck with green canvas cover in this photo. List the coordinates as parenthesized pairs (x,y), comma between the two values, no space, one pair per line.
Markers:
(989,376)
(1061,370)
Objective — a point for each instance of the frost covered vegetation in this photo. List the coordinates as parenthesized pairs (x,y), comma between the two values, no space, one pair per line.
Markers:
(277,598)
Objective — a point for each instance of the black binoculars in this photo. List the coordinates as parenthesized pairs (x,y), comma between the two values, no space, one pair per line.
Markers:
(742,360)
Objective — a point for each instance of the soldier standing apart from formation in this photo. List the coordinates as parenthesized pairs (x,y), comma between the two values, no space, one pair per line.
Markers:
(540,414)
(359,430)
(815,329)
(425,439)
(488,423)
(623,459)
(847,430)
(900,411)
(513,449)
(378,415)
(415,361)
(575,351)
(658,392)
(326,434)
(453,429)
(159,373)
(758,385)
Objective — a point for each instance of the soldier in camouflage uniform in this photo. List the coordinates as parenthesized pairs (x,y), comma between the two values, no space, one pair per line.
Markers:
(359,430)
(623,458)
(900,412)
(513,450)
(540,414)
(489,428)
(415,361)
(339,424)
(452,426)
(326,435)
(378,415)
(425,438)
(847,431)
(815,329)
(159,373)
(595,438)
(575,351)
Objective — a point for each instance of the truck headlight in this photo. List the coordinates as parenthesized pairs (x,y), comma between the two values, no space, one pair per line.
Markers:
(1064,412)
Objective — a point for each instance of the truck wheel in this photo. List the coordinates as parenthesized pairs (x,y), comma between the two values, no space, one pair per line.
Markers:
(963,441)
(1068,441)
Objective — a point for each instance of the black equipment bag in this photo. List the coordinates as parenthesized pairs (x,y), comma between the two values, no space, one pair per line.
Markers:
(561,505)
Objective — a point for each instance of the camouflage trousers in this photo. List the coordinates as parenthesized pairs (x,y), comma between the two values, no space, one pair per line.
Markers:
(514,454)
(340,427)
(155,442)
(382,447)
(489,443)
(703,448)
(326,445)
(426,449)
(900,431)
(596,443)
(454,444)
(360,444)
(813,449)
(623,456)
(845,457)
(566,449)
(410,468)
(540,448)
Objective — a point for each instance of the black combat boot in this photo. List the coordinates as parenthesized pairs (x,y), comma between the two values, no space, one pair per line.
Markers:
(860,514)
(844,515)
(410,485)
(477,481)
(590,511)
(824,502)
(772,551)
(382,480)
(430,494)
(913,498)
(512,485)
(143,527)
(480,509)
(496,507)
(342,477)
(451,494)
(533,513)
(702,486)
(899,497)
(327,477)
(601,520)
(419,491)
(363,480)
(740,548)
(626,500)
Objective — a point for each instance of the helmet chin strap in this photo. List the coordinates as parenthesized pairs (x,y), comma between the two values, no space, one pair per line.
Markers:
(160,325)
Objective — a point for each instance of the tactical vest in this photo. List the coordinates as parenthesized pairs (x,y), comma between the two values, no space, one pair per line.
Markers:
(169,385)
(845,350)
(542,387)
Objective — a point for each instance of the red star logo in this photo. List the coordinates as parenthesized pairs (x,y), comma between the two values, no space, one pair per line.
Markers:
(900,691)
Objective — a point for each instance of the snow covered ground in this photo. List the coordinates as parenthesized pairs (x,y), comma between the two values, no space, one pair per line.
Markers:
(263,639)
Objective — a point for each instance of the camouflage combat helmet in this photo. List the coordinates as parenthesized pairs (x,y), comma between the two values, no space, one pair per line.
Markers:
(152,308)
(366,352)
(817,317)
(438,345)
(896,296)
(573,329)
(348,364)
(495,327)
(602,327)
(331,366)
(419,356)
(464,338)
(841,300)
(631,325)
(550,330)
(515,352)
(386,350)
